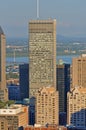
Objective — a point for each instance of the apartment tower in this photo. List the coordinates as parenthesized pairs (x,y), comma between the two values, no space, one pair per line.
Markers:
(76,107)
(79,71)
(42,54)
(3,89)
(47,106)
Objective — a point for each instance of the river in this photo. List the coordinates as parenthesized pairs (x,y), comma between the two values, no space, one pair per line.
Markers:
(19,60)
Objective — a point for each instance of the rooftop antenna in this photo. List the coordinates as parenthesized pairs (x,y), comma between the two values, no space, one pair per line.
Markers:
(37,8)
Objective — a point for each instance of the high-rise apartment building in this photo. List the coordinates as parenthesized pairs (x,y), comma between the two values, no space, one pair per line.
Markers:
(79,71)
(63,84)
(24,80)
(42,54)
(76,109)
(46,106)
(3,89)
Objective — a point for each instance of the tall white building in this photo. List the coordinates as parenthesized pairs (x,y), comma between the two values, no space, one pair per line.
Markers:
(42,54)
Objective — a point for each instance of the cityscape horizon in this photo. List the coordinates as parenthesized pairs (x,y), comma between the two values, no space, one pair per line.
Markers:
(43,65)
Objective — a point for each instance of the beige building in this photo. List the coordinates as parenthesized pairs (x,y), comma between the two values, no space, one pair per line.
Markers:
(47,106)
(76,107)
(42,54)
(79,71)
(3,124)
(3,89)
(16,116)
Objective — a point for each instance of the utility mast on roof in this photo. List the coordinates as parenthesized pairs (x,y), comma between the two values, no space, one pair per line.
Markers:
(37,8)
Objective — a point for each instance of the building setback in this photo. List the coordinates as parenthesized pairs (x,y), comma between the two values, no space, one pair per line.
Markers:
(42,54)
(3,89)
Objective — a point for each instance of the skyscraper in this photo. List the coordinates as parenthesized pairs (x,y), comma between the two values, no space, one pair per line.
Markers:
(42,54)
(24,80)
(63,84)
(3,89)
(79,71)
(47,107)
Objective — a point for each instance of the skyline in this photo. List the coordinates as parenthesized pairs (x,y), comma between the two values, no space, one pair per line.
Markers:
(70,16)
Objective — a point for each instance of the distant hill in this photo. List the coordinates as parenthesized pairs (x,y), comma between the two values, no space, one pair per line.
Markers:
(60,39)
(17,41)
(65,39)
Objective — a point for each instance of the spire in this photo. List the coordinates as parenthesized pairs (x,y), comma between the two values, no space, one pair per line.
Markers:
(1,31)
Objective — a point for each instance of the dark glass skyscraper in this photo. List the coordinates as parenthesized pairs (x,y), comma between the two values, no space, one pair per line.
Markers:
(24,80)
(63,84)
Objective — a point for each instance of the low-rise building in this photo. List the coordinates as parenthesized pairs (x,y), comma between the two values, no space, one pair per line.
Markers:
(16,116)
(50,127)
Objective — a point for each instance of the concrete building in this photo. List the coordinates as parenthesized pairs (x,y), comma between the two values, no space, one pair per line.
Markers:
(79,71)
(76,109)
(3,89)
(16,116)
(63,84)
(24,80)
(42,54)
(46,106)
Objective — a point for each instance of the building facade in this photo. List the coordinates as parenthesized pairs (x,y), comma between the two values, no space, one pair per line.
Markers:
(76,107)
(79,71)
(16,116)
(14,92)
(42,54)
(46,106)
(39,127)
(63,84)
(3,89)
(24,80)
(3,124)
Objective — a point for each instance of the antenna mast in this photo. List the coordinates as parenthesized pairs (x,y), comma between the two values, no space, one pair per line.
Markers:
(37,8)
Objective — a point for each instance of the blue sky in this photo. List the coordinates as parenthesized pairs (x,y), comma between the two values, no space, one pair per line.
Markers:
(70,16)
